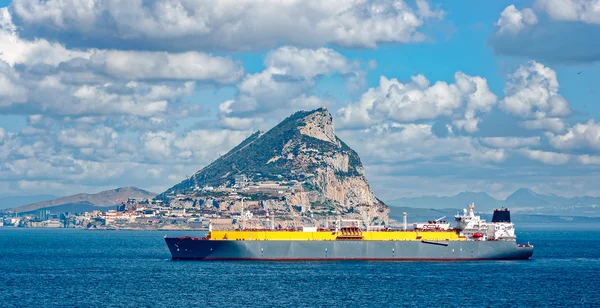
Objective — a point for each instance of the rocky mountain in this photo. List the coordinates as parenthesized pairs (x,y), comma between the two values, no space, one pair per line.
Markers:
(523,200)
(302,152)
(101,199)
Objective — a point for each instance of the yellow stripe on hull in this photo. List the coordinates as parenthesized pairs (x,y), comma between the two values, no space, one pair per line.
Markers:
(331,235)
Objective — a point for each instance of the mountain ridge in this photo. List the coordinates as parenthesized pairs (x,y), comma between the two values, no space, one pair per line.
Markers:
(14,201)
(521,200)
(101,199)
(521,220)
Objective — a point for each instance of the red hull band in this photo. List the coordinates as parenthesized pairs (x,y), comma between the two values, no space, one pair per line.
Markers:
(344,259)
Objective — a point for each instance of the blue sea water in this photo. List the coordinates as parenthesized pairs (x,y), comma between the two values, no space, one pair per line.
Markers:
(79,268)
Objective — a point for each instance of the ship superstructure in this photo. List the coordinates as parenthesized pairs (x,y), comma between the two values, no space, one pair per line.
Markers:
(473,227)
(472,239)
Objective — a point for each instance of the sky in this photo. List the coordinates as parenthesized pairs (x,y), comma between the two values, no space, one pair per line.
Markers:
(437,97)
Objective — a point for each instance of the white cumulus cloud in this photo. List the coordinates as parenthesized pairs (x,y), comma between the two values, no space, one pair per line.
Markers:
(589,159)
(549,158)
(40,77)
(580,136)
(418,100)
(100,138)
(158,145)
(290,74)
(556,125)
(587,11)
(305,62)
(231,25)
(531,92)
(513,20)
(399,143)
(140,65)
(510,142)
(198,146)
(16,50)
(11,91)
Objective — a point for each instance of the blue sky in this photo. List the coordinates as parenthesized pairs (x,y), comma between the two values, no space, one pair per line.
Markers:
(437,97)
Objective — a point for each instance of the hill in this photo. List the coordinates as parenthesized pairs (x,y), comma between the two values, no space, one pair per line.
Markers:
(71,208)
(102,199)
(14,201)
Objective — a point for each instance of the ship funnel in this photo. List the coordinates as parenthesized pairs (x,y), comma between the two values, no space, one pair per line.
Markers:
(404,226)
(501,215)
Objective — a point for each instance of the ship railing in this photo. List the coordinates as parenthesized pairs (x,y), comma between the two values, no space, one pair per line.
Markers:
(524,245)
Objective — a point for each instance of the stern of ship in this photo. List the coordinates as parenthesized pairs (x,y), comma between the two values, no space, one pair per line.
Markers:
(524,251)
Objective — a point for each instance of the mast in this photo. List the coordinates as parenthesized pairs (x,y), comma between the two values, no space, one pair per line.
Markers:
(273,221)
(243,215)
(404,216)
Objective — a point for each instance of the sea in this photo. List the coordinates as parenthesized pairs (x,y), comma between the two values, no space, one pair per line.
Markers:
(85,268)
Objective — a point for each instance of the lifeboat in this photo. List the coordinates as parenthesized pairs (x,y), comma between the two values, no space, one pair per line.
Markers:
(478,235)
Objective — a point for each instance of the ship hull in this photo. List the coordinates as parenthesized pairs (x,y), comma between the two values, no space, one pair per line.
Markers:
(289,250)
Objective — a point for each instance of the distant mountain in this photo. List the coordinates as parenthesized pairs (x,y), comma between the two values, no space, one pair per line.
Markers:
(101,199)
(524,197)
(523,200)
(14,201)
(521,220)
(527,200)
(71,208)
(483,201)
(418,214)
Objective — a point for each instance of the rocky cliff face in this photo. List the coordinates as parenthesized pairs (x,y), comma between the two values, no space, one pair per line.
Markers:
(303,152)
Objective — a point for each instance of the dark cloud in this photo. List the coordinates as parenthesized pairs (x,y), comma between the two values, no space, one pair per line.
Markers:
(551,42)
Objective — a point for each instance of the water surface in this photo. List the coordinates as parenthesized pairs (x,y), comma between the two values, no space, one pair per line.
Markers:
(80,268)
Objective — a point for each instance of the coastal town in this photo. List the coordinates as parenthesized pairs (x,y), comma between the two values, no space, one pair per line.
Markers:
(253,204)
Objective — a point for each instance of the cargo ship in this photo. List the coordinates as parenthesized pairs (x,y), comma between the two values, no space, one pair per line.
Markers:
(472,238)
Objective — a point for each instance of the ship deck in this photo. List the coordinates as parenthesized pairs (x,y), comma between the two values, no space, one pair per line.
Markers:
(331,235)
